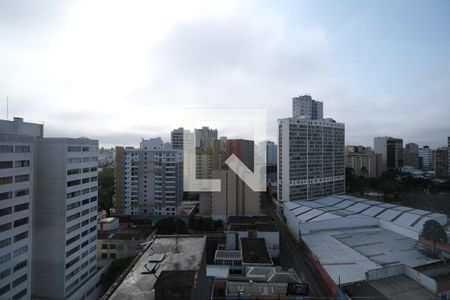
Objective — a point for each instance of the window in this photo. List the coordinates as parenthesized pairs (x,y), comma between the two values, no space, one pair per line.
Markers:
(112,255)
(20,294)
(94,169)
(73,194)
(104,246)
(93,219)
(73,228)
(93,198)
(20,236)
(5,273)
(5,289)
(93,228)
(104,255)
(85,233)
(5,196)
(20,265)
(73,149)
(85,212)
(73,171)
(5,243)
(85,180)
(20,222)
(73,205)
(72,240)
(74,160)
(5,227)
(6,164)
(21,193)
(6,149)
(5,211)
(85,201)
(74,182)
(22,163)
(72,262)
(20,251)
(86,170)
(73,217)
(85,149)
(5,258)
(93,179)
(73,273)
(72,251)
(22,178)
(21,207)
(19,280)
(6,180)
(22,149)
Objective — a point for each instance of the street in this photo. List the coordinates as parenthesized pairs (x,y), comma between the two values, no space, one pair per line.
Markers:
(297,259)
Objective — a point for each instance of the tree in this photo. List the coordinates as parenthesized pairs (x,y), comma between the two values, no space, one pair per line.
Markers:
(171,225)
(105,188)
(434,232)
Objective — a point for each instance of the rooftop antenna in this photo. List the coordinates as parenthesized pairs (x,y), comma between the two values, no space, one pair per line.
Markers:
(7,108)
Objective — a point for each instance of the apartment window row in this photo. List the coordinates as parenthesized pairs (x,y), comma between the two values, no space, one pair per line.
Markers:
(20,280)
(78,149)
(18,149)
(18,164)
(73,217)
(77,160)
(72,262)
(73,273)
(80,181)
(18,178)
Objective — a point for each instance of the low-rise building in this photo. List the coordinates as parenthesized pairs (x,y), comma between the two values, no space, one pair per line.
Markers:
(114,242)
(170,267)
(346,238)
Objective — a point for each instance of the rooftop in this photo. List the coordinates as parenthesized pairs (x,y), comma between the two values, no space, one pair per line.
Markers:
(254,251)
(125,234)
(347,254)
(182,253)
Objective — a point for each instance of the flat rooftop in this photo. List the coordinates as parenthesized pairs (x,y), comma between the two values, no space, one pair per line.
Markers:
(181,254)
(398,287)
(128,234)
(347,254)
(254,251)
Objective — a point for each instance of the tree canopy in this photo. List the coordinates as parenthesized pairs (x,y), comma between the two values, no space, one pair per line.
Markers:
(434,231)
(171,225)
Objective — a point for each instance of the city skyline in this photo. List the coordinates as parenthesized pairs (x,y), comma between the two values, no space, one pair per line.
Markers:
(156,61)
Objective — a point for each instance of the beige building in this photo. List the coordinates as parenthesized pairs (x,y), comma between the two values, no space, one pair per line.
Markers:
(363,161)
(235,197)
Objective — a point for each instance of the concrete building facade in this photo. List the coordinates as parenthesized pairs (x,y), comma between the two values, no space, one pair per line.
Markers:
(426,158)
(310,158)
(149,180)
(394,153)
(440,158)
(411,155)
(17,151)
(304,107)
(363,161)
(65,217)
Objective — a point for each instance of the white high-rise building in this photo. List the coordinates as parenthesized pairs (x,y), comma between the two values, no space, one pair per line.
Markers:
(16,206)
(426,158)
(149,180)
(204,135)
(304,107)
(310,158)
(65,218)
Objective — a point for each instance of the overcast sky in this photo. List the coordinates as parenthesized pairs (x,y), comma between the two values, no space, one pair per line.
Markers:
(118,71)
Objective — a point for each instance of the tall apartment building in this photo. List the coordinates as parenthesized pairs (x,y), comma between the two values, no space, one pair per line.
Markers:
(204,135)
(426,158)
(235,197)
(149,180)
(65,218)
(363,161)
(310,158)
(17,151)
(411,155)
(394,153)
(448,158)
(243,149)
(440,158)
(304,107)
